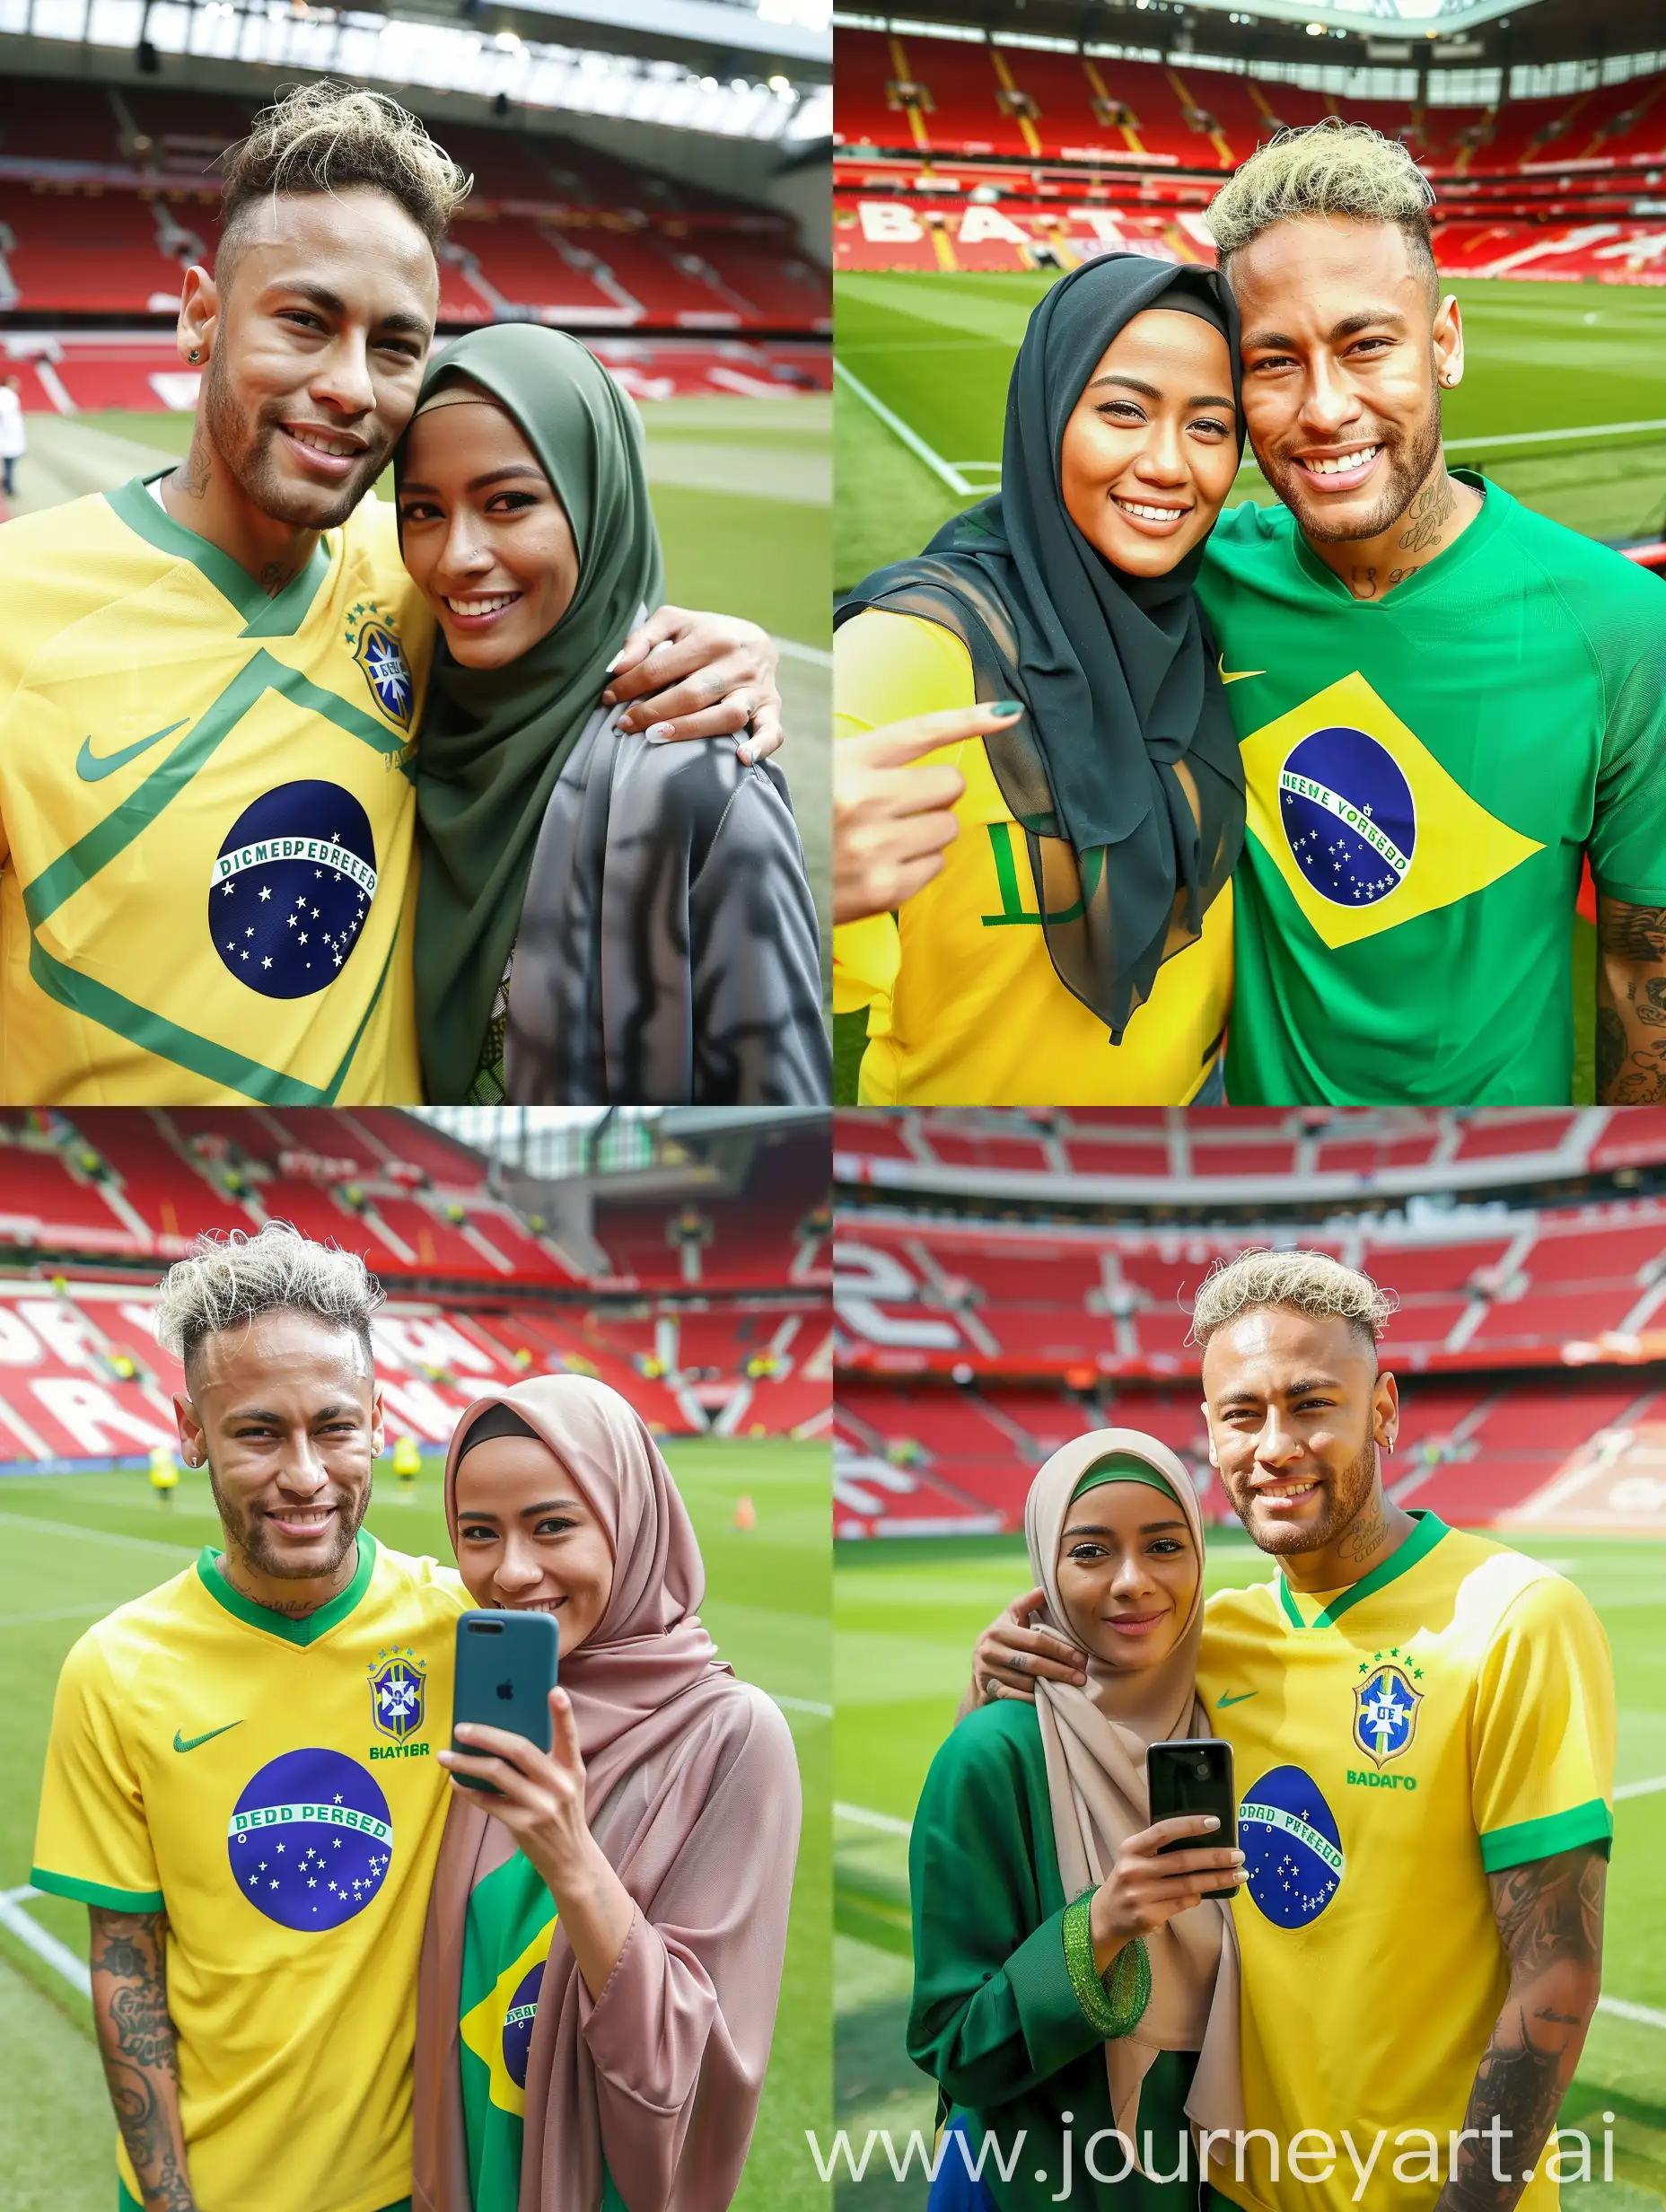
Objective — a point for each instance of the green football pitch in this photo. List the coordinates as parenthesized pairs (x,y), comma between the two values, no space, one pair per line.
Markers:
(73,1547)
(906,1616)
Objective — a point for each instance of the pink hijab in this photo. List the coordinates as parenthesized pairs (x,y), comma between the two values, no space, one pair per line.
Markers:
(692,1790)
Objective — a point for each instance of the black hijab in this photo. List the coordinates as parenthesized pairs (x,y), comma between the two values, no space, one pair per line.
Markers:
(1125,773)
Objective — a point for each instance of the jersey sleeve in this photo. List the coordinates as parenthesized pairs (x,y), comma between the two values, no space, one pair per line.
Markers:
(1542,1748)
(93,1841)
(1629,826)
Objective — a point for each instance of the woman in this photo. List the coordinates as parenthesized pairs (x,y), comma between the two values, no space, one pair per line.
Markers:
(1068,1980)
(1094,777)
(601,920)
(602,1958)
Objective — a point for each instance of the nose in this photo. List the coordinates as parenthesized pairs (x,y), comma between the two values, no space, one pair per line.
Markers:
(463,556)
(518,1571)
(1129,1578)
(1329,401)
(342,379)
(1162,459)
(302,1473)
(1278,1444)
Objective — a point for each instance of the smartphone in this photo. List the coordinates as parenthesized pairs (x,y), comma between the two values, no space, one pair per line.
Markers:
(505,1671)
(1194,1774)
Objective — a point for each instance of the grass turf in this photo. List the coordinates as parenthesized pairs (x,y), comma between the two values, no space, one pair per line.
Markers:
(73,1546)
(762,557)
(937,350)
(906,1616)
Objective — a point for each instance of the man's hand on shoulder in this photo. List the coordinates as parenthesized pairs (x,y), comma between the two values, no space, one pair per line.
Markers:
(1631,1004)
(686,674)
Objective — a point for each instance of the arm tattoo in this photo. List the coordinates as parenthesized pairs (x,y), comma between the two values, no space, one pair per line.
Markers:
(1428,514)
(1549,1918)
(1631,1004)
(136,2043)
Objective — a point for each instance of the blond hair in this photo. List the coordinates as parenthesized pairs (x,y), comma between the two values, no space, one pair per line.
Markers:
(235,1278)
(1310,1282)
(1324,169)
(327,138)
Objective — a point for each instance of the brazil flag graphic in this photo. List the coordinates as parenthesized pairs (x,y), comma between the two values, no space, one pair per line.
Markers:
(1364,826)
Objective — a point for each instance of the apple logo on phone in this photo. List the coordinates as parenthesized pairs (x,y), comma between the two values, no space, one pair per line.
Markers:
(505,1689)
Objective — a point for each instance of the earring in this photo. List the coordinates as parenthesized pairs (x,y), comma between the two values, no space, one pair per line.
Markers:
(195,354)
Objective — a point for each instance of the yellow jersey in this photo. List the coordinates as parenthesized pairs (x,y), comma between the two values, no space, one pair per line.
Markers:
(1449,1716)
(964,1007)
(270,1784)
(207,814)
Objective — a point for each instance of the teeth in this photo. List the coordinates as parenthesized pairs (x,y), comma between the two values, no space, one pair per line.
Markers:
(1342,464)
(316,442)
(1151,514)
(483,606)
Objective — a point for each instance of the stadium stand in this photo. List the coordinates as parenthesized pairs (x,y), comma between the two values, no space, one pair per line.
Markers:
(1005,1281)
(710,1315)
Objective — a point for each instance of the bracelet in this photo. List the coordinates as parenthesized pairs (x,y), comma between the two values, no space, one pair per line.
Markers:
(1114,2001)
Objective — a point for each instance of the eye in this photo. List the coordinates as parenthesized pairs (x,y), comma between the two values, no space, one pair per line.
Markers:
(478,1533)
(1209,426)
(1164,1546)
(1123,411)
(407,349)
(1086,1552)
(554,1525)
(510,503)
(302,317)
(418,511)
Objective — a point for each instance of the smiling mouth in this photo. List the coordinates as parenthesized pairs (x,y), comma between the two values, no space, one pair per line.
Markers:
(303,1520)
(1340,471)
(328,452)
(483,609)
(1290,1493)
(1150,513)
(533,1605)
(1133,1624)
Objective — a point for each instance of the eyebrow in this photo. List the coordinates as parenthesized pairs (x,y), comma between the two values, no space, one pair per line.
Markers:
(480,483)
(331,1412)
(527,1512)
(1350,326)
(1150,391)
(323,297)
(1296,1390)
(1147,1528)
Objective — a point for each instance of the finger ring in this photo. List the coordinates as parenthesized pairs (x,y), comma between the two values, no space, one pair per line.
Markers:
(1015,1665)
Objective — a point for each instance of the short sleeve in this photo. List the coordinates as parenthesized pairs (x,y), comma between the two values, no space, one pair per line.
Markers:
(1628,827)
(93,1841)
(1542,1749)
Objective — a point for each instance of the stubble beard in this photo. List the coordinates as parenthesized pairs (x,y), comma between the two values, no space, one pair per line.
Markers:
(1411,460)
(245,1534)
(244,444)
(1344,1501)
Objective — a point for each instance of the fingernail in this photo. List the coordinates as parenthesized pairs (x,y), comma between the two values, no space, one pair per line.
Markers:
(1007,706)
(607,697)
(657,734)
(612,665)
(743,756)
(1209,1821)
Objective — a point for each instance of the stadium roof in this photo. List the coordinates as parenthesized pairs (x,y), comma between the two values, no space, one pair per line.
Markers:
(1408,33)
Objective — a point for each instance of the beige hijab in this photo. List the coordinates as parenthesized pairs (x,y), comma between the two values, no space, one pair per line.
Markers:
(1095,1742)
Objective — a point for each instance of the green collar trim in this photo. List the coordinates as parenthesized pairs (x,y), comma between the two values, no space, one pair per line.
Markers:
(264,616)
(301,1632)
(1418,1545)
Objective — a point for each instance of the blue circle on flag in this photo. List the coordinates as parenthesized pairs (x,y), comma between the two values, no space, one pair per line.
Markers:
(1348,815)
(310,1839)
(1291,1847)
(292,889)
(518,2026)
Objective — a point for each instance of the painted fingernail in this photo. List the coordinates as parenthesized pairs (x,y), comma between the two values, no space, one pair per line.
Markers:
(1209,1821)
(1007,706)
(657,734)
(612,666)
(743,756)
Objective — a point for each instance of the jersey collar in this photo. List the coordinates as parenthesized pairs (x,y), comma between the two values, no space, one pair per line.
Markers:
(301,1632)
(263,616)
(1418,1545)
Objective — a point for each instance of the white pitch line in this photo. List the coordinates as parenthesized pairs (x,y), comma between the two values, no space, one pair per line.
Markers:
(943,470)
(97,1536)
(887,1823)
(804,1705)
(1645,2014)
(58,1956)
(1552,437)
(790,649)
(1640,1789)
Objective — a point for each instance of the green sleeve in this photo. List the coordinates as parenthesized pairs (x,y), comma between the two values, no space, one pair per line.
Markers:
(1627,843)
(995,2010)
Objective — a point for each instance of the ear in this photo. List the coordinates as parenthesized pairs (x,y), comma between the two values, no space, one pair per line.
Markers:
(377,1438)
(199,316)
(1385,1412)
(1447,337)
(193,1443)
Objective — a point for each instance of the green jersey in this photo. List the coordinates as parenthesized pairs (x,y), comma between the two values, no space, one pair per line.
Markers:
(511,1917)
(1426,773)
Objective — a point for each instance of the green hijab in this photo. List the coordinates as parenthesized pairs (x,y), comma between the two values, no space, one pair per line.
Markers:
(494,740)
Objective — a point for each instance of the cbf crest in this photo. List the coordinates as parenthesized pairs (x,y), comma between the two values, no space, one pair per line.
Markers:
(398,1693)
(1385,1706)
(378,652)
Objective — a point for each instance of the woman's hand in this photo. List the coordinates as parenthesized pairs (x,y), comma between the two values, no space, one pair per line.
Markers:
(699,675)
(1010,1655)
(1145,1890)
(541,1804)
(892,820)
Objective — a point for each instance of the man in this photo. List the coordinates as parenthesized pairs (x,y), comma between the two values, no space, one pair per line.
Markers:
(1444,702)
(14,435)
(210,680)
(241,1784)
(1423,1730)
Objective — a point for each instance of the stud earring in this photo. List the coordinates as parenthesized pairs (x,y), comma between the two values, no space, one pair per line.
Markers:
(195,354)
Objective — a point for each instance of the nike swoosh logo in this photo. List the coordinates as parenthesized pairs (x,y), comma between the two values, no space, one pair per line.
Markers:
(1237,1698)
(1238,675)
(189,1743)
(91,766)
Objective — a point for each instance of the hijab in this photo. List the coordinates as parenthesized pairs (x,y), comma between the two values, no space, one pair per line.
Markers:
(1125,773)
(1095,1741)
(643,1686)
(494,740)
